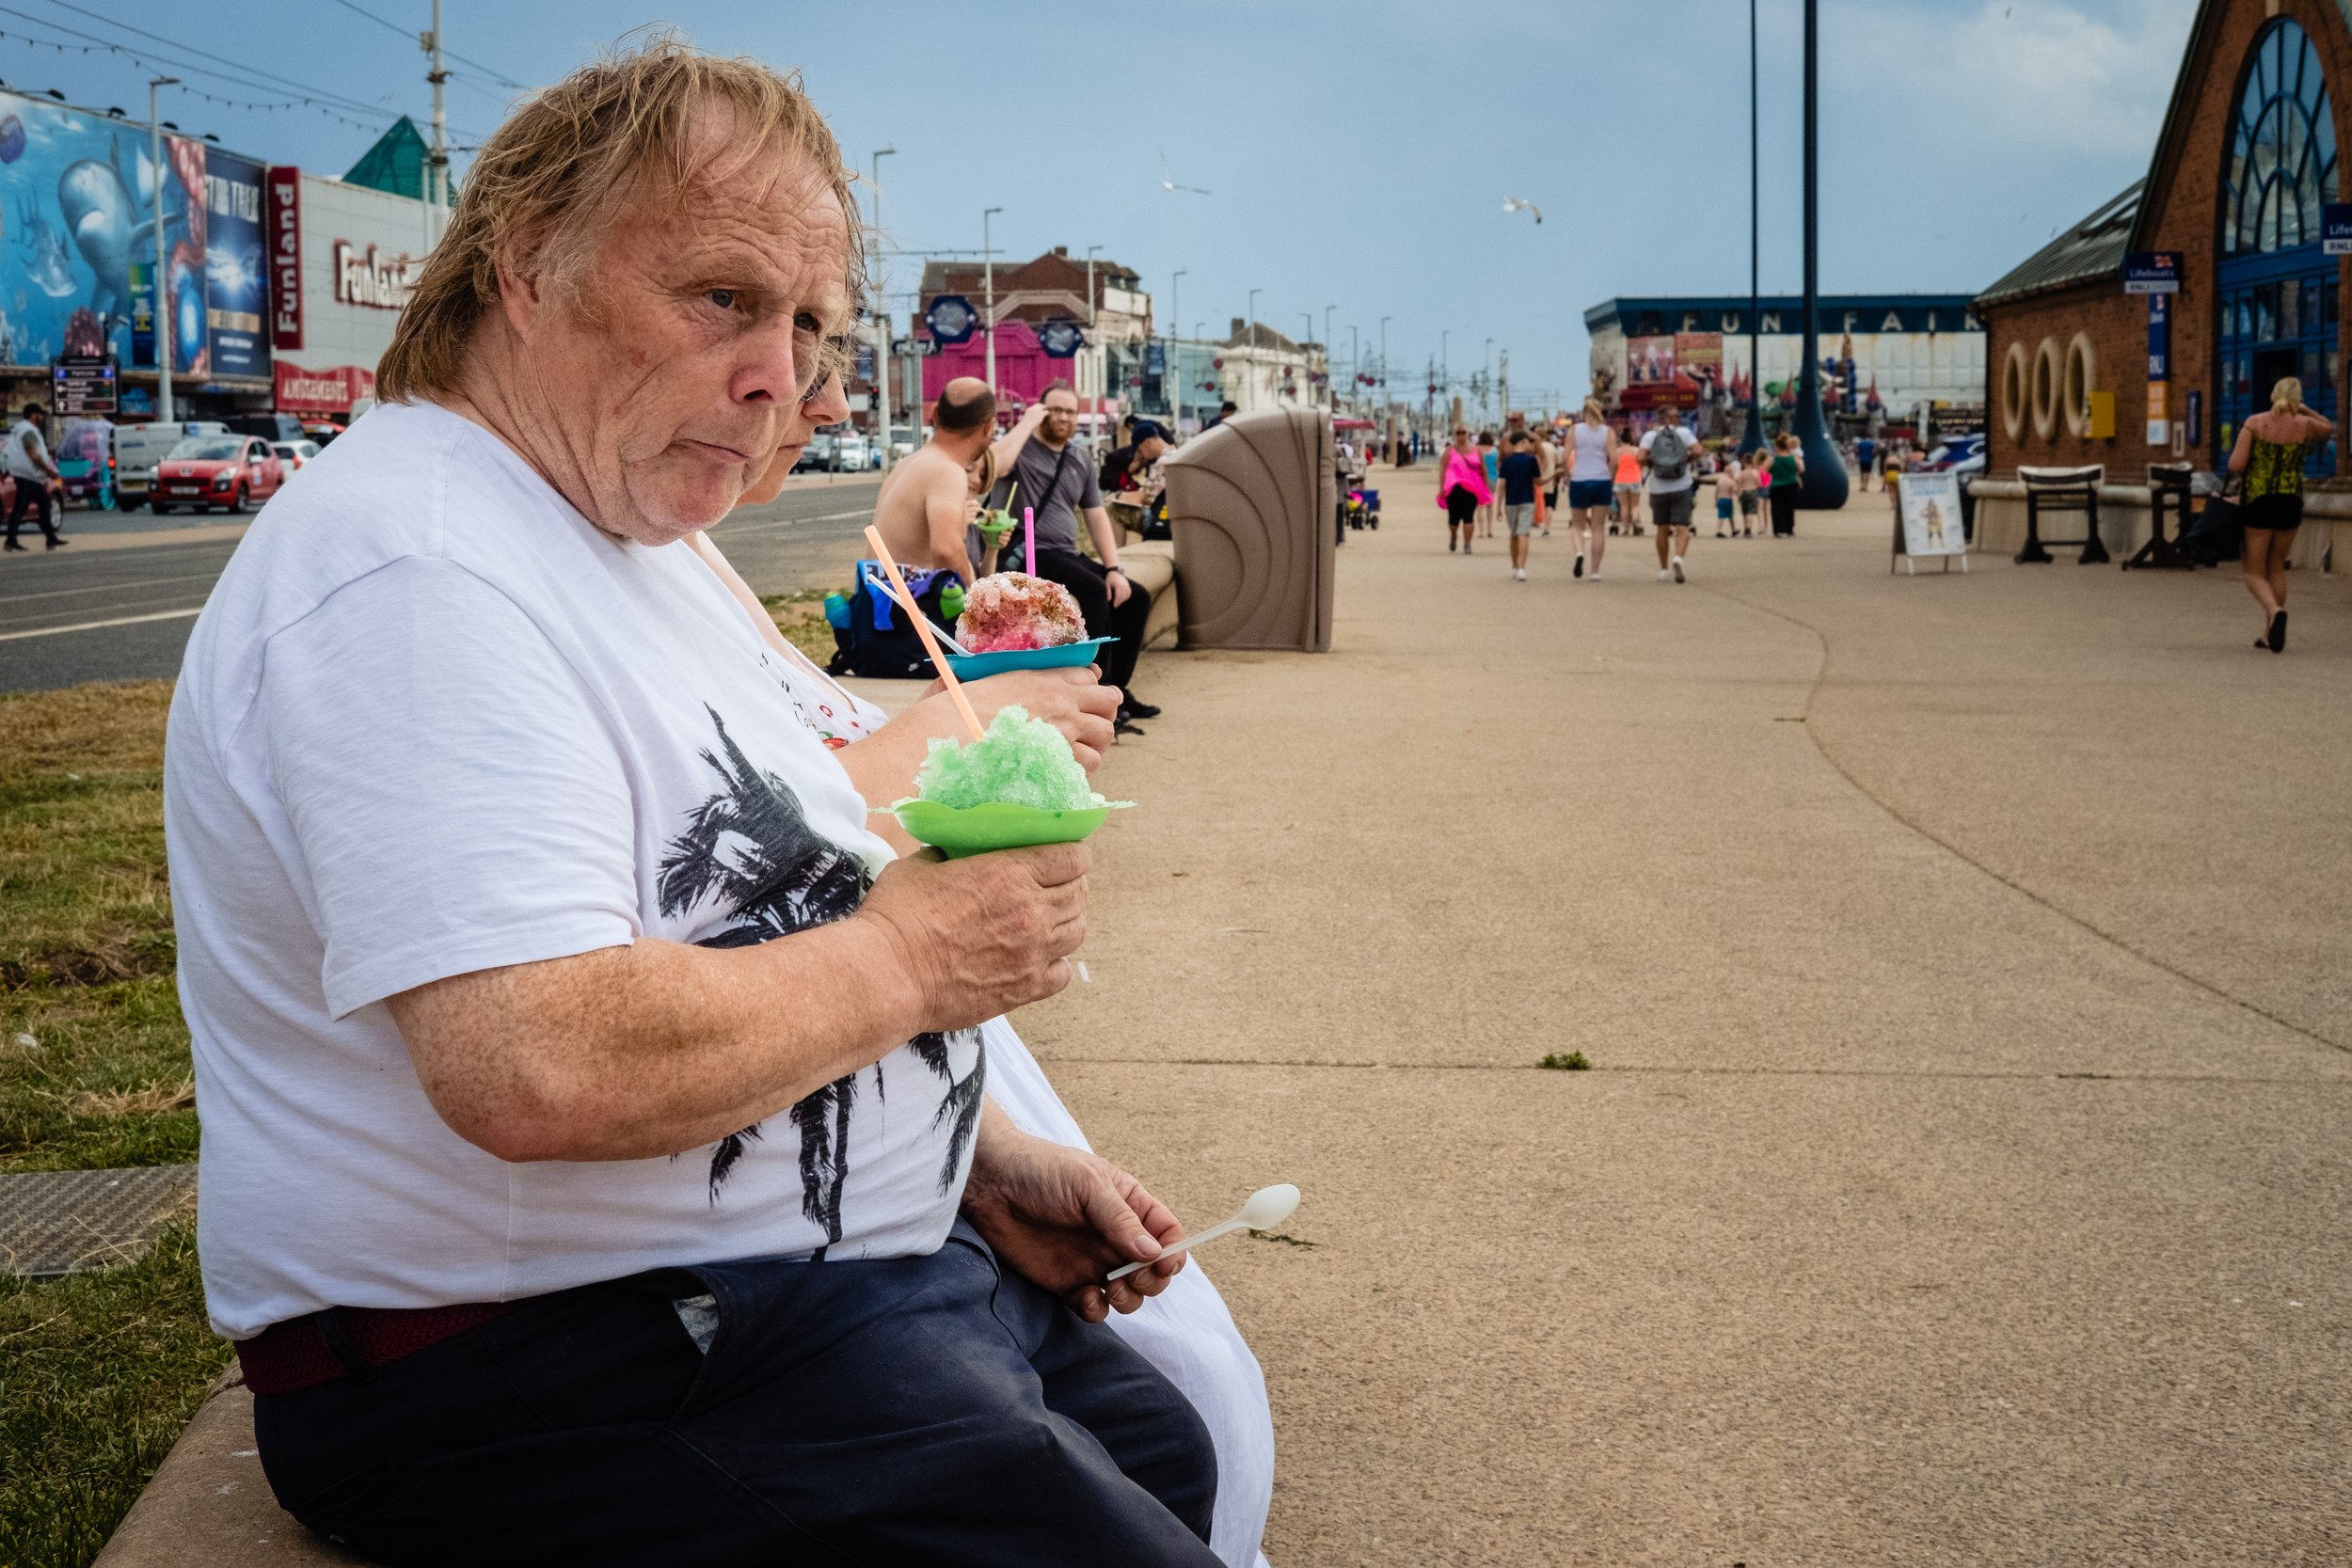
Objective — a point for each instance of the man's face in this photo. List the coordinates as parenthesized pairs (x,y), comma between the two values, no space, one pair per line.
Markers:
(1061,416)
(671,382)
(1150,449)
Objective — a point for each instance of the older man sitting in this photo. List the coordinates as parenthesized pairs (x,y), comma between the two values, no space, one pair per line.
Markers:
(597,1163)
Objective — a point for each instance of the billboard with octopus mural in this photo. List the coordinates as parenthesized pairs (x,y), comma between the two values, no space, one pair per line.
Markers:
(79,206)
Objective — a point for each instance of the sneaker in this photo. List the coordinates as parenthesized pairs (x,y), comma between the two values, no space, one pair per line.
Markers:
(15,546)
(55,543)
(1518,575)
(1578,570)
(1679,576)
(1664,576)
(1135,707)
(1449,546)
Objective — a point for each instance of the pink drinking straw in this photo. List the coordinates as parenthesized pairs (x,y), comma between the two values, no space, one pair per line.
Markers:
(1028,540)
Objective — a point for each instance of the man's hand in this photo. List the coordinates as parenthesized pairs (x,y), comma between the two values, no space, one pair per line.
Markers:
(1063,1218)
(1118,586)
(1074,702)
(986,934)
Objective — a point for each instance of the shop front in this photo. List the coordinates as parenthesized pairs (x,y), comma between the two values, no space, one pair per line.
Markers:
(2229,221)
(341,258)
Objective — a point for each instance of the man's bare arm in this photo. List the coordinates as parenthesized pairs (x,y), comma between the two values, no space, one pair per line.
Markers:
(1006,448)
(631,1053)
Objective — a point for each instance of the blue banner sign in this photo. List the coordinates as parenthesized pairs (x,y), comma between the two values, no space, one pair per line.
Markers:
(142,280)
(951,319)
(2152,272)
(2335,228)
(2159,338)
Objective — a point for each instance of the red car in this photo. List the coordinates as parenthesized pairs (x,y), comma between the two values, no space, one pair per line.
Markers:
(228,471)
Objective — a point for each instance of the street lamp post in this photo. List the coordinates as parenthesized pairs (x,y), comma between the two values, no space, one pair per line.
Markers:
(1094,348)
(1445,368)
(880,318)
(1752,438)
(1486,382)
(1387,418)
(158,311)
(1823,487)
(987,272)
(1306,357)
(1355,365)
(1250,379)
(1169,378)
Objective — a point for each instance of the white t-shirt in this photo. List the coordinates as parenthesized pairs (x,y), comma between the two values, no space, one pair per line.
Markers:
(26,452)
(1690,464)
(433,722)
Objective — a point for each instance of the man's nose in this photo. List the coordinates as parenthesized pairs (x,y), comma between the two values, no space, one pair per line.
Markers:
(769,367)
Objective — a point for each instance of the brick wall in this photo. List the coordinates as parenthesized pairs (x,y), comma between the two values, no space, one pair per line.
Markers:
(2179,212)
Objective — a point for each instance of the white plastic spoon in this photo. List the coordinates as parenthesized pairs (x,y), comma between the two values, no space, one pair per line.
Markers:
(1267,1206)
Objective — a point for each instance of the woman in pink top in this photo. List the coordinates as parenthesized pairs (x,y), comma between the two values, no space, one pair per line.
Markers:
(1462,489)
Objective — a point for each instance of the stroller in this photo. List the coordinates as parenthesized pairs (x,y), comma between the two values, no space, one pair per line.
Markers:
(1362,508)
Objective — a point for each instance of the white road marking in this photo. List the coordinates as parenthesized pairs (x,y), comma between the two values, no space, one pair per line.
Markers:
(96,625)
(108,587)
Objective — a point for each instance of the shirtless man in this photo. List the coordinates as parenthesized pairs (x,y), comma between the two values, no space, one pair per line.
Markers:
(925,502)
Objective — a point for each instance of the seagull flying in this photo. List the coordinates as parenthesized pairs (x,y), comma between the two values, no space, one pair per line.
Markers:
(1167,182)
(1513,204)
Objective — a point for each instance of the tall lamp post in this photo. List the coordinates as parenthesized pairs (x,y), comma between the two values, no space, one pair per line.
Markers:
(1168,378)
(1306,357)
(1823,489)
(1389,419)
(988,312)
(1355,366)
(1752,438)
(1101,367)
(1250,379)
(160,311)
(880,318)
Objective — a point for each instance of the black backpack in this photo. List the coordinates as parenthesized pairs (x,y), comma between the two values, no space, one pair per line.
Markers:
(878,641)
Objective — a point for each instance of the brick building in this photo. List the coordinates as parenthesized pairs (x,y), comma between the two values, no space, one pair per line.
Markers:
(2245,162)
(1117,318)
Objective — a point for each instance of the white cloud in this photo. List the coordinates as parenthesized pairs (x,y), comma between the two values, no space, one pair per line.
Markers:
(2014,74)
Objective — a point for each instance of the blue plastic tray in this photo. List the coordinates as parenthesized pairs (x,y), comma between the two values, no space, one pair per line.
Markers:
(973,667)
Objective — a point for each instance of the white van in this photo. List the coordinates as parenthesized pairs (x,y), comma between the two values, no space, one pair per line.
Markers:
(139,447)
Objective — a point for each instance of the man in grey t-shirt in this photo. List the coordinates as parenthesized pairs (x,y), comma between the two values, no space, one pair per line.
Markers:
(1044,467)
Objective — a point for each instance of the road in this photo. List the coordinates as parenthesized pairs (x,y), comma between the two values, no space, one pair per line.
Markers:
(121,608)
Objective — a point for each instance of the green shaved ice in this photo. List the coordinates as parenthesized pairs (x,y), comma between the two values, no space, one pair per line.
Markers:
(1020,761)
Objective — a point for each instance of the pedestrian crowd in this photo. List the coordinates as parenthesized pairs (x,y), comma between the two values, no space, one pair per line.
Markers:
(1610,479)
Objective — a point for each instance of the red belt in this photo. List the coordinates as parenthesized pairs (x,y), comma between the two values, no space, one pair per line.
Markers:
(344,1341)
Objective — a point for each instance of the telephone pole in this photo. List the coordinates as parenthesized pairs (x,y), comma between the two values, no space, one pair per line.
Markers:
(437,178)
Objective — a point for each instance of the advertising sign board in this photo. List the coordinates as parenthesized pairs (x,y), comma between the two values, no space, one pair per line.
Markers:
(1932,520)
(236,279)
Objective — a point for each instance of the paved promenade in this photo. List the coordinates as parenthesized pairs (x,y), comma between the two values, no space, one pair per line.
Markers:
(1965,966)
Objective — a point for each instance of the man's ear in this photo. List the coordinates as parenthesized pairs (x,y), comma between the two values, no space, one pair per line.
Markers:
(519,298)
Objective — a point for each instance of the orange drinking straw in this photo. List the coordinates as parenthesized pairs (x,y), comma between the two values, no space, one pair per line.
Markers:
(923,630)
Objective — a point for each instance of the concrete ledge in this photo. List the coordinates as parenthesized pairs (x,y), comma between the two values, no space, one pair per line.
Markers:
(209,1506)
(2323,545)
(1151,564)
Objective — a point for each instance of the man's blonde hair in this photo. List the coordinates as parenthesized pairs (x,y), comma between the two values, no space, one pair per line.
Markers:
(552,182)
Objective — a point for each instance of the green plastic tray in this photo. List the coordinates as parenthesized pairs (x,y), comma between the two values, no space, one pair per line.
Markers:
(957,831)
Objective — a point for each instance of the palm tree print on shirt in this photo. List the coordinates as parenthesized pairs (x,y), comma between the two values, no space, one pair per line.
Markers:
(750,846)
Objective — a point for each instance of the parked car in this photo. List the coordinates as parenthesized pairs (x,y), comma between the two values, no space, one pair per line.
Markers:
(854,452)
(139,447)
(817,455)
(295,453)
(84,455)
(231,472)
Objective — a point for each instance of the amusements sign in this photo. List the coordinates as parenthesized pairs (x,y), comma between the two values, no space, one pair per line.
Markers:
(1932,520)
(284,238)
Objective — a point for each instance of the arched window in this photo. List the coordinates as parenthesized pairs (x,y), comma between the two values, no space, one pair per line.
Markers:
(2282,149)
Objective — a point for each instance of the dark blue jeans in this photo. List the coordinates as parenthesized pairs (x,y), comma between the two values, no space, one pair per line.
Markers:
(911,1410)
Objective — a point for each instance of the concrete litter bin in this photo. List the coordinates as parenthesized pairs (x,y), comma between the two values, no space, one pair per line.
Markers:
(1249,506)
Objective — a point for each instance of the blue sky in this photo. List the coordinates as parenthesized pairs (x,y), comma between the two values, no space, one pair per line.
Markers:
(1356,155)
